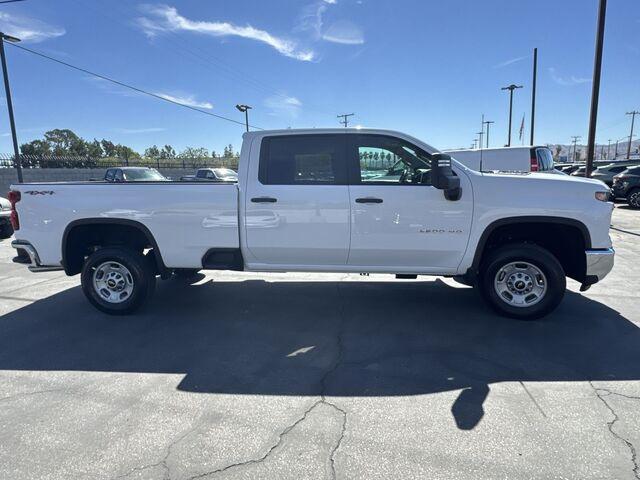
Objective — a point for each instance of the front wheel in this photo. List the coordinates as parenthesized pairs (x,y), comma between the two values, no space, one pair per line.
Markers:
(522,281)
(634,198)
(117,281)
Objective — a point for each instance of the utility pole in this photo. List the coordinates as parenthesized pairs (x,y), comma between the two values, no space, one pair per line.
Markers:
(533,92)
(609,149)
(475,143)
(511,88)
(345,118)
(633,118)
(12,123)
(488,124)
(575,147)
(479,139)
(595,90)
(245,109)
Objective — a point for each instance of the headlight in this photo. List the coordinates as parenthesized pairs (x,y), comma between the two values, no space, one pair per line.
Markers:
(602,196)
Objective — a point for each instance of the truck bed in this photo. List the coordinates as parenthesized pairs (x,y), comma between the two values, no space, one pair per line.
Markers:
(186,218)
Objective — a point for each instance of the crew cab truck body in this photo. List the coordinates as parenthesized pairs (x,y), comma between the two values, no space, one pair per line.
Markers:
(330,200)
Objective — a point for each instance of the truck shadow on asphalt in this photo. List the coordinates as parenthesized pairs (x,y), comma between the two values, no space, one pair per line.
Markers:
(338,339)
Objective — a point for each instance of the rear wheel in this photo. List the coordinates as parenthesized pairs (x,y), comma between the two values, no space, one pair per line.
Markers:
(522,281)
(117,281)
(633,198)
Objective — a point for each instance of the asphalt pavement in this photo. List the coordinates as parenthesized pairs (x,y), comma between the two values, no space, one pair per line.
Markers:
(278,376)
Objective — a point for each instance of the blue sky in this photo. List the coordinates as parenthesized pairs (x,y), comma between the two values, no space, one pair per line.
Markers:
(429,68)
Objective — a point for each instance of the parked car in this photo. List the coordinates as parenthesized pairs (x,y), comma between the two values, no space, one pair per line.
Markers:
(569,169)
(605,173)
(627,185)
(212,175)
(506,159)
(134,174)
(579,172)
(6,230)
(305,203)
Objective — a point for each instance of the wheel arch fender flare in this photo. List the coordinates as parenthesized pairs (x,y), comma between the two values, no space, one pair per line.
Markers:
(493,226)
(162,268)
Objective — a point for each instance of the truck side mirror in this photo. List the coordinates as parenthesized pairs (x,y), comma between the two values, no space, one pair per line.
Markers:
(443,178)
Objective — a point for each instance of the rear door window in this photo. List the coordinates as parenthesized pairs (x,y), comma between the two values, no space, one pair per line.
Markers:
(303,160)
(109,175)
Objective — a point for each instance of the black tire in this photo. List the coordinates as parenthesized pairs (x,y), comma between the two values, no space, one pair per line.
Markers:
(140,279)
(517,256)
(6,230)
(633,198)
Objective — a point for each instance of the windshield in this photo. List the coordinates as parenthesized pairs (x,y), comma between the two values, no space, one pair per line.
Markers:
(226,173)
(143,175)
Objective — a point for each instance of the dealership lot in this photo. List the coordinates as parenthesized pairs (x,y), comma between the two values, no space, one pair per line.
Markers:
(242,375)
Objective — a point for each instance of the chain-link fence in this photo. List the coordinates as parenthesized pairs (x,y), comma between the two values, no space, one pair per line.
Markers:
(55,161)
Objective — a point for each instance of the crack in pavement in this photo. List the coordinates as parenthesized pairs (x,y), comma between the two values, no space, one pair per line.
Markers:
(632,448)
(322,401)
(27,394)
(163,461)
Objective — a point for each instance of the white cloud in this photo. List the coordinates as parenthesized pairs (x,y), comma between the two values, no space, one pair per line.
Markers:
(344,32)
(567,81)
(163,18)
(340,31)
(283,105)
(510,62)
(28,29)
(188,100)
(140,130)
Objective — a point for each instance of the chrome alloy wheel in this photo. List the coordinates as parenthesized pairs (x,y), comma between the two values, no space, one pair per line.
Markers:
(520,284)
(113,282)
(634,199)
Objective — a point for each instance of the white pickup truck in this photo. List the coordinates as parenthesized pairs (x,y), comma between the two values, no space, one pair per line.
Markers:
(326,200)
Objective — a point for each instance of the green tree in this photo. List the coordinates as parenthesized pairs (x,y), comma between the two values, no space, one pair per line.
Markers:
(152,152)
(108,148)
(94,149)
(167,152)
(35,147)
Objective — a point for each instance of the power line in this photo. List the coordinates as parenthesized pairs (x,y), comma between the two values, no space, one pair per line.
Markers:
(10,1)
(130,87)
(204,57)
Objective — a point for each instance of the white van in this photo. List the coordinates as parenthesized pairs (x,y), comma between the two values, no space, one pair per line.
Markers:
(506,159)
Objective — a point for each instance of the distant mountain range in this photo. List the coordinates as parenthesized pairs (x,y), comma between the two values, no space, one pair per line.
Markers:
(560,150)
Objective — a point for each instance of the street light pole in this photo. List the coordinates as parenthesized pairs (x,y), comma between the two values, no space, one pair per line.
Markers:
(609,149)
(245,109)
(12,123)
(488,124)
(533,92)
(595,90)
(511,88)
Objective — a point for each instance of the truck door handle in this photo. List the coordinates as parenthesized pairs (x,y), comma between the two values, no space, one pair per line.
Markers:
(264,200)
(368,200)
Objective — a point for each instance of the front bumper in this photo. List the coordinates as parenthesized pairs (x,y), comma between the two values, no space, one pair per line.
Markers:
(33,259)
(599,264)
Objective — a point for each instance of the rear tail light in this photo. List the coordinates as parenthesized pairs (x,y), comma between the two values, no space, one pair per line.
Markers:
(14,197)
(534,162)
